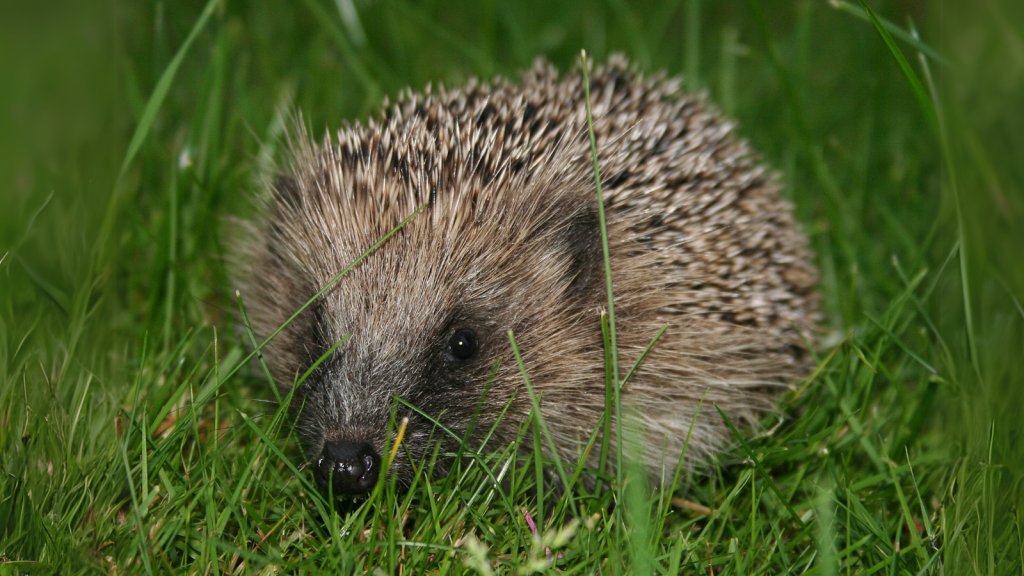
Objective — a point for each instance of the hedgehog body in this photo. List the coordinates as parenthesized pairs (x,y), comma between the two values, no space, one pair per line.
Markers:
(509,240)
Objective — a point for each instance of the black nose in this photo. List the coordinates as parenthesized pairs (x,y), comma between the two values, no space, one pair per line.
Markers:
(348,467)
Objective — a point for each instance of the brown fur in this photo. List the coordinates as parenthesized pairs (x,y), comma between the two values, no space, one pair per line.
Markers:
(699,237)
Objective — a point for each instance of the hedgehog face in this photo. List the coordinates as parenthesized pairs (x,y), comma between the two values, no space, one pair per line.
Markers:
(426,319)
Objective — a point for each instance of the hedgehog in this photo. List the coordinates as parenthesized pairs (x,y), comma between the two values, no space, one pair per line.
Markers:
(508,239)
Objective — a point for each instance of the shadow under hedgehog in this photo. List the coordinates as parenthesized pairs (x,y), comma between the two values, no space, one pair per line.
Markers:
(509,239)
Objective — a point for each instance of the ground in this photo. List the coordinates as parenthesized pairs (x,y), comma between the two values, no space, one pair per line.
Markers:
(136,438)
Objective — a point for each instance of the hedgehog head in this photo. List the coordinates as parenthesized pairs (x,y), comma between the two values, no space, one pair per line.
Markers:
(425,317)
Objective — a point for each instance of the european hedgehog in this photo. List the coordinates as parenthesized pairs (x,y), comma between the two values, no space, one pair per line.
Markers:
(509,239)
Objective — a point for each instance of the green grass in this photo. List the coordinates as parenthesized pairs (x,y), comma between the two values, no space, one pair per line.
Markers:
(135,436)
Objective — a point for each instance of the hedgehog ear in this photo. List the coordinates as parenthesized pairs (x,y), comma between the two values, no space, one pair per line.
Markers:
(581,240)
(286,191)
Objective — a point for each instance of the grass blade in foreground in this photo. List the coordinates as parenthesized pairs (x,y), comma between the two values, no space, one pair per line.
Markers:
(540,423)
(603,223)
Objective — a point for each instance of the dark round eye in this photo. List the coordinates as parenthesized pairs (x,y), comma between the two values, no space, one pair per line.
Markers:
(463,344)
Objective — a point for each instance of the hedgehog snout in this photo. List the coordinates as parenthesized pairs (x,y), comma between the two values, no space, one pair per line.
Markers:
(347,468)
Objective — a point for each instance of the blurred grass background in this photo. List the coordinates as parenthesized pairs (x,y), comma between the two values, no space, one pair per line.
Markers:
(904,454)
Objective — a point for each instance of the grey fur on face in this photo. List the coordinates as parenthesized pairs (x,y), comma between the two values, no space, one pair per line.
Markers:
(510,240)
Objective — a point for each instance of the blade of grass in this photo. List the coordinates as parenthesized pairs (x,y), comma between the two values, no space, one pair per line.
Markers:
(321,291)
(259,352)
(901,344)
(540,424)
(900,33)
(760,468)
(603,223)
(928,102)
(951,175)
(643,355)
(143,129)
(58,296)
(163,86)
(609,404)
(319,361)
(141,532)
(923,101)
(456,437)
(604,424)
(666,505)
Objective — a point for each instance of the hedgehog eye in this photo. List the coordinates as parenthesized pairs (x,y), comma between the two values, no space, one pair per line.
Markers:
(463,345)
